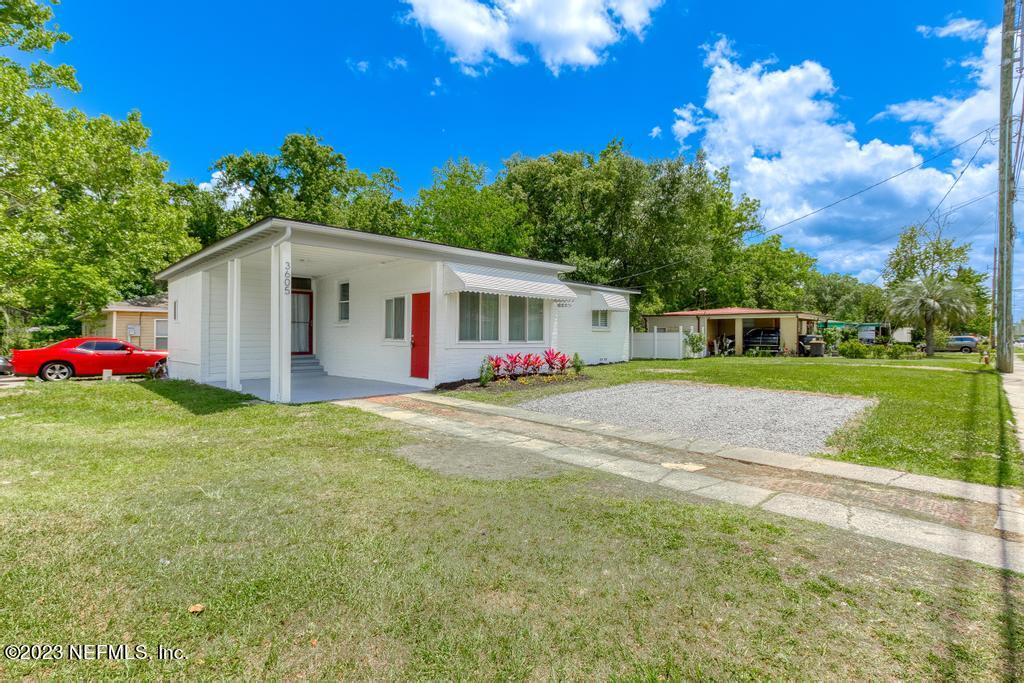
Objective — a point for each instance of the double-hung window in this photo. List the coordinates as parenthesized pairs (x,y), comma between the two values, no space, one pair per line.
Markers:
(525,319)
(160,334)
(343,302)
(478,317)
(394,318)
(599,319)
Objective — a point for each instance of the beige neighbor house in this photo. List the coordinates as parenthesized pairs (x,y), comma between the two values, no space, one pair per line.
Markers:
(716,323)
(141,321)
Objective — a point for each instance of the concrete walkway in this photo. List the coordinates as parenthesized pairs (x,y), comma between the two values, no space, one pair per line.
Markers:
(1013,385)
(984,525)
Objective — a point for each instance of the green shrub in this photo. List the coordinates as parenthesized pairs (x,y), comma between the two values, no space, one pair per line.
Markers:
(695,343)
(853,349)
(830,336)
(486,372)
(577,363)
(900,351)
(878,351)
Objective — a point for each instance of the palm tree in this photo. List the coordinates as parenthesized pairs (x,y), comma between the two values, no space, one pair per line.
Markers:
(931,299)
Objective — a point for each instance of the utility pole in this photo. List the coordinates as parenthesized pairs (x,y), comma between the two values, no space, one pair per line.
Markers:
(1004,270)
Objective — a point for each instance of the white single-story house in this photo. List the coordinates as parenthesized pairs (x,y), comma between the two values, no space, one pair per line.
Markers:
(293,311)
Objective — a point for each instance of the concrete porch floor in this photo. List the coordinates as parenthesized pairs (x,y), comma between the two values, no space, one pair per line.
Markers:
(310,389)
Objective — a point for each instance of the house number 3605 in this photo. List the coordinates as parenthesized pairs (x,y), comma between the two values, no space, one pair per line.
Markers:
(287,277)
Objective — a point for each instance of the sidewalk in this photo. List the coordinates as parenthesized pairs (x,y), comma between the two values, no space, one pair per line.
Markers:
(967,521)
(1013,385)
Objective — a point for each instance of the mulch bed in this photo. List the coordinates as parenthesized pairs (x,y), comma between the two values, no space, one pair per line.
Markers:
(502,386)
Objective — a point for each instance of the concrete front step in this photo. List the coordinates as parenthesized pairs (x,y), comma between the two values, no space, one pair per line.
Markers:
(307,366)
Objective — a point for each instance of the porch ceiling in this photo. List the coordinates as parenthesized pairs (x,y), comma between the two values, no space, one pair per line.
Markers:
(310,261)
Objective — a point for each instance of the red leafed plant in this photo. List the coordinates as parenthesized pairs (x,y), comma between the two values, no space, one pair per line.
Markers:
(513,361)
(497,364)
(551,359)
(562,362)
(532,363)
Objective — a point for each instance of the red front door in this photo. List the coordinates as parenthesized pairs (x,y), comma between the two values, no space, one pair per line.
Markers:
(420,339)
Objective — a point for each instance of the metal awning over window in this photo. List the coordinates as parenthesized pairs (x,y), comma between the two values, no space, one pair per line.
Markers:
(609,301)
(464,278)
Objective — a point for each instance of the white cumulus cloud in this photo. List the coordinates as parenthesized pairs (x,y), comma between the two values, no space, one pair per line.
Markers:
(655,132)
(781,133)
(564,33)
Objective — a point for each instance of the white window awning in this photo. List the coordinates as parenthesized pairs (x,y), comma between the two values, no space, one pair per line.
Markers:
(464,278)
(609,301)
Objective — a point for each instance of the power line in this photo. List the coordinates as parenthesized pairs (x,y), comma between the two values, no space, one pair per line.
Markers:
(892,177)
(838,201)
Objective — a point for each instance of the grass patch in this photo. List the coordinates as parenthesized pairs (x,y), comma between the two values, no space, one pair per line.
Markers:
(951,423)
(319,554)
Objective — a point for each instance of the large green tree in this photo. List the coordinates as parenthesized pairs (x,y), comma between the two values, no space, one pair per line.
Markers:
(85,214)
(460,209)
(921,252)
(670,227)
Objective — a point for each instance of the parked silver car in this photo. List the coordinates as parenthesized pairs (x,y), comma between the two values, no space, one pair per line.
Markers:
(963,344)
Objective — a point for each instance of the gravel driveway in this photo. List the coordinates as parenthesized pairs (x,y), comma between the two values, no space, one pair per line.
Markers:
(776,420)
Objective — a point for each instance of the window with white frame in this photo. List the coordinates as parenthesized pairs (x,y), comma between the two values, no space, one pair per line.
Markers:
(160,334)
(478,317)
(525,319)
(343,302)
(599,319)
(394,318)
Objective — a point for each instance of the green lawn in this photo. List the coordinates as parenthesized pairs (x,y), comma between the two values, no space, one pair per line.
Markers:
(949,423)
(318,553)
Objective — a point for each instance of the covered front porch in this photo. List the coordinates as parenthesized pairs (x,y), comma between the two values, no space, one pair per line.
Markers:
(316,388)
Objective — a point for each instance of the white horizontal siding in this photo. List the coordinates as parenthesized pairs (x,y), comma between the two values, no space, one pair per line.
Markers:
(184,334)
(358,348)
(216,363)
(254,323)
(576,333)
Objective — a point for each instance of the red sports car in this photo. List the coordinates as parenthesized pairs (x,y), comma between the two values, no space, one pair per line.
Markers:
(85,356)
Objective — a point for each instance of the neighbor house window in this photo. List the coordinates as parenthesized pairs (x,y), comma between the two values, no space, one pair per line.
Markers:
(525,319)
(394,318)
(599,318)
(343,302)
(160,334)
(478,317)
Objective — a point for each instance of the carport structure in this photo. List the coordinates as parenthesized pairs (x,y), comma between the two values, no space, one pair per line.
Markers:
(715,323)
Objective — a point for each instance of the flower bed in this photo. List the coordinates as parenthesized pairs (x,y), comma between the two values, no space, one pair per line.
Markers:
(506,384)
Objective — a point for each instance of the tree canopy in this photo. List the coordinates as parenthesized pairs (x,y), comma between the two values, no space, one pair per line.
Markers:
(86,215)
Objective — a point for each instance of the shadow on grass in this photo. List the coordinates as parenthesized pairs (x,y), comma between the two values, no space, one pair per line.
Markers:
(1011,627)
(198,399)
(1008,615)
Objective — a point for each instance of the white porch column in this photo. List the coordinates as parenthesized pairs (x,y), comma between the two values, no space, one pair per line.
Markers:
(281,322)
(234,325)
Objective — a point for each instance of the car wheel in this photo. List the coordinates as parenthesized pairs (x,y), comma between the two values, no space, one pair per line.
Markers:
(965,349)
(57,371)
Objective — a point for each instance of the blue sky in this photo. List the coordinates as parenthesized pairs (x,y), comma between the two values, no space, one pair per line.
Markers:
(806,101)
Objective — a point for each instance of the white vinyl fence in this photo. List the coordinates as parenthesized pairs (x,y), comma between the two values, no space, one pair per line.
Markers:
(666,345)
